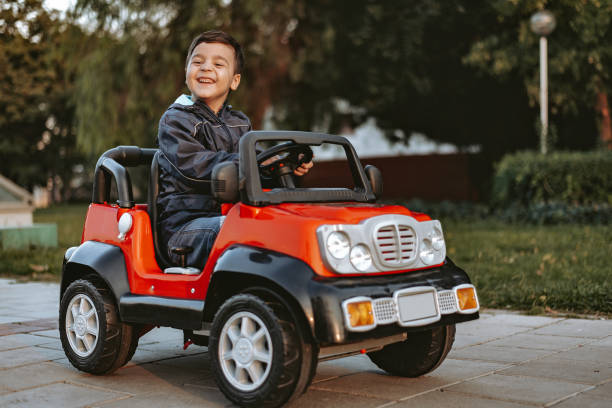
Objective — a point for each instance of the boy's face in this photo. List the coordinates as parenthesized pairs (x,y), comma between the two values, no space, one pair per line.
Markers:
(210,73)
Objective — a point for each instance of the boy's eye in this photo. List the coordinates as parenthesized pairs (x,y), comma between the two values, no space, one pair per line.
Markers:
(218,64)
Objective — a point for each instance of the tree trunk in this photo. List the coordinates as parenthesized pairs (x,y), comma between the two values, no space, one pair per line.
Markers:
(605,131)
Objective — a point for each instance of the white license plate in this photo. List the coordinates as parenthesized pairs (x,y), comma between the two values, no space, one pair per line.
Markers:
(417,306)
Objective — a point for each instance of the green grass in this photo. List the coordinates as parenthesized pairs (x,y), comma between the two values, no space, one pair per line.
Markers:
(46,263)
(537,269)
(562,268)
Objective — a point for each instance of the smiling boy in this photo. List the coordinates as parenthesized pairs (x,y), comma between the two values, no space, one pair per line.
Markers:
(196,133)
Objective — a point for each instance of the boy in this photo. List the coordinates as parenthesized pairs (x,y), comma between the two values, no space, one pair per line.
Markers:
(196,133)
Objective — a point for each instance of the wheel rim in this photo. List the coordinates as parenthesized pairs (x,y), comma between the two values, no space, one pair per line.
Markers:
(245,351)
(82,326)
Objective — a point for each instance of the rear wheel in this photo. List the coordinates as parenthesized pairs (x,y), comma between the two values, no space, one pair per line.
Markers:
(420,354)
(258,356)
(93,338)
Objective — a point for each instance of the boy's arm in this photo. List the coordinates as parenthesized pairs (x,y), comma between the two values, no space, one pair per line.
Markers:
(193,161)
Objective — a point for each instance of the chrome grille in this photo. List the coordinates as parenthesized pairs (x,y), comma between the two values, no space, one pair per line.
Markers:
(447,302)
(395,244)
(384,310)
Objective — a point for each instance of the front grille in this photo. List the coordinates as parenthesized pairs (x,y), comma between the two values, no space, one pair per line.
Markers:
(447,302)
(395,244)
(384,310)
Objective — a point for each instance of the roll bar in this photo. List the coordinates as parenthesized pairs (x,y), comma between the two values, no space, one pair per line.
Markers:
(113,164)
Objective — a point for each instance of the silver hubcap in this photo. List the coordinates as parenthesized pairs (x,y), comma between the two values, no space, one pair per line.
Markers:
(245,351)
(82,325)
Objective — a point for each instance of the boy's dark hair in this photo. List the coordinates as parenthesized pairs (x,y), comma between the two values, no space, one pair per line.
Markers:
(218,36)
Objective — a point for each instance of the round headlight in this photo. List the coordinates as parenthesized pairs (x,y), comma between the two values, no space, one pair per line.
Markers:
(427,252)
(361,257)
(338,244)
(437,239)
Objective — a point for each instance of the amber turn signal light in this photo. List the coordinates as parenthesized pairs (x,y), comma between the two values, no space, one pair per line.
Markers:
(360,313)
(467,298)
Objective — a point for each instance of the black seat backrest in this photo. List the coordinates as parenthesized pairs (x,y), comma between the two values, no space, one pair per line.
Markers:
(162,258)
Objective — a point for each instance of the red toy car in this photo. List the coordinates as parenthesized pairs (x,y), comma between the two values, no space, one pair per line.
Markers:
(297,275)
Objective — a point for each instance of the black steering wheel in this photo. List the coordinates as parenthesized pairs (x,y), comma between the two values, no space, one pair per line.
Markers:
(291,156)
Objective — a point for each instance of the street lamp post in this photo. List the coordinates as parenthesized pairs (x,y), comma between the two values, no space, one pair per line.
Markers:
(543,23)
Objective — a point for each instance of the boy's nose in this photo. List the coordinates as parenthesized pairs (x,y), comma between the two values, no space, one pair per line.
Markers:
(206,66)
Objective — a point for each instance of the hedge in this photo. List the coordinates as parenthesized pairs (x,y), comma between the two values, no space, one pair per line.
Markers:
(566,179)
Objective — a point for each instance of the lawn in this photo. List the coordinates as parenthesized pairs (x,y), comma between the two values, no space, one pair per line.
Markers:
(562,268)
(46,263)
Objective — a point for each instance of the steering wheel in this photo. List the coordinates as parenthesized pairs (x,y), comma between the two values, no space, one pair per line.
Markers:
(289,160)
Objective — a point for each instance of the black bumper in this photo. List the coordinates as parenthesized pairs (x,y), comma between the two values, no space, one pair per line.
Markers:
(327,295)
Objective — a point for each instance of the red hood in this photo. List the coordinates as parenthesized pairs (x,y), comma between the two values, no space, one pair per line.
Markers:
(347,213)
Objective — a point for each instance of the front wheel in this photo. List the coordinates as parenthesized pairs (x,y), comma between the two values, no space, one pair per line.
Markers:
(93,338)
(257,354)
(421,353)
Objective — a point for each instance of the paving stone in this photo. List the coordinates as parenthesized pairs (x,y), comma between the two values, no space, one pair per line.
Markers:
(486,352)
(35,374)
(323,399)
(540,342)
(196,361)
(504,318)
(452,399)
(458,370)
(143,379)
(587,372)
(185,397)
(519,389)
(48,333)
(4,319)
(380,385)
(604,391)
(55,395)
(605,342)
(595,329)
(27,355)
(345,366)
(21,340)
(586,400)
(488,331)
(464,340)
(589,353)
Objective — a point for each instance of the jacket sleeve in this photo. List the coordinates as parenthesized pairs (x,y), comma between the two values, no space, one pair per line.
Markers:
(187,156)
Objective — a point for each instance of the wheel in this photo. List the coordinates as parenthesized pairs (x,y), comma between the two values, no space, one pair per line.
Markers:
(259,357)
(421,353)
(93,338)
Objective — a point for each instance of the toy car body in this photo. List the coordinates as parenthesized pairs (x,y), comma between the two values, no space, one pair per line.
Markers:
(296,276)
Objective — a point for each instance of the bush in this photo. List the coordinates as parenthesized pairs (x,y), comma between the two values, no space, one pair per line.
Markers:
(529,179)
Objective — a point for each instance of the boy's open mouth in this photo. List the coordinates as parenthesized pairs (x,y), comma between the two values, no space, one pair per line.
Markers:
(206,81)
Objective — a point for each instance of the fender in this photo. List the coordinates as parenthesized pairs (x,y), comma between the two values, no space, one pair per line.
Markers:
(109,263)
(239,263)
(104,259)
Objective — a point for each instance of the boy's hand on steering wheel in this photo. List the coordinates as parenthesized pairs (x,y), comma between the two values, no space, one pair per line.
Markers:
(304,167)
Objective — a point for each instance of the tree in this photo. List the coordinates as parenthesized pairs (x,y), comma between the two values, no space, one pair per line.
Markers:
(36,134)
(580,55)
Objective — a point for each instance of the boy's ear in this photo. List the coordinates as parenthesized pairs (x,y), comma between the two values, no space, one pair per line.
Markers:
(235,82)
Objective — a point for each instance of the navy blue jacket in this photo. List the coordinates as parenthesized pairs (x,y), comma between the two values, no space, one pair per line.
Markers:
(192,140)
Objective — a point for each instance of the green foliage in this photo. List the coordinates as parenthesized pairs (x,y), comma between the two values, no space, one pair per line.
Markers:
(580,55)
(37,140)
(527,179)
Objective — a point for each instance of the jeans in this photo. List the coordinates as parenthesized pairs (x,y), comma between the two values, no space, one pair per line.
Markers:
(199,234)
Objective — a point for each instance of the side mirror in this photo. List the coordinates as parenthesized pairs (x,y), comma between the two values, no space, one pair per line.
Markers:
(224,185)
(376,180)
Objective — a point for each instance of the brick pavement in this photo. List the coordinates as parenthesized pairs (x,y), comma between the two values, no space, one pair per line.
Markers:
(502,360)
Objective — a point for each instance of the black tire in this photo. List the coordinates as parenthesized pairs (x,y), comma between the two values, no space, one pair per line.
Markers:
(114,343)
(287,371)
(421,353)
